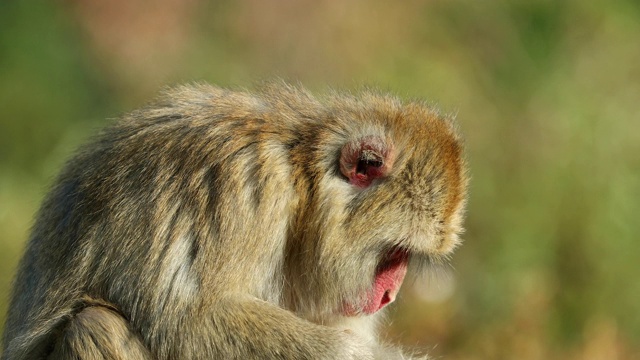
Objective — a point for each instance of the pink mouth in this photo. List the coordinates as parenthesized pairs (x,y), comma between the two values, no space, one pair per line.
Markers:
(389,276)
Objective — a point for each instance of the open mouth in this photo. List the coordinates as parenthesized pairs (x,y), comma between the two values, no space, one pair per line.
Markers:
(388,279)
(389,275)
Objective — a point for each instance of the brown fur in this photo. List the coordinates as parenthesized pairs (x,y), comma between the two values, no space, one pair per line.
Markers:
(217,224)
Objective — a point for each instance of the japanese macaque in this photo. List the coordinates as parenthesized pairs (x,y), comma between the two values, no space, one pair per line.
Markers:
(218,224)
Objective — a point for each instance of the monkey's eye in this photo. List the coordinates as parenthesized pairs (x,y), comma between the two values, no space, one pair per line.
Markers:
(365,166)
(364,160)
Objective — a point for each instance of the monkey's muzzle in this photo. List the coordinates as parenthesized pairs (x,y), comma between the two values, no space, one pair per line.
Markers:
(389,276)
(388,279)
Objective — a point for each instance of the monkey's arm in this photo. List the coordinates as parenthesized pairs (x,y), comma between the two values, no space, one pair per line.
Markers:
(98,332)
(241,327)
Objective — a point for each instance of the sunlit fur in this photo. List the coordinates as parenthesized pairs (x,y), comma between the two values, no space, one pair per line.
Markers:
(217,224)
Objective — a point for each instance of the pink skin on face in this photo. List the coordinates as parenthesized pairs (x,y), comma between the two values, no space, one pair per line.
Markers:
(366,160)
(389,277)
(362,161)
(387,283)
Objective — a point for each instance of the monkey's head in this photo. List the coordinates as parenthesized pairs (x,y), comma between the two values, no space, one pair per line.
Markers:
(383,187)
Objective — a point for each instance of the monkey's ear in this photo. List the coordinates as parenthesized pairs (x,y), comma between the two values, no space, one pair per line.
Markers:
(366,159)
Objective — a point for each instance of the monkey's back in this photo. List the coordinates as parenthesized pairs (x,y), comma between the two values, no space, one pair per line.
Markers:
(159,189)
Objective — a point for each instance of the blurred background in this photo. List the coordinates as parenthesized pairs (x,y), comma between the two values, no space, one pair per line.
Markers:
(547,94)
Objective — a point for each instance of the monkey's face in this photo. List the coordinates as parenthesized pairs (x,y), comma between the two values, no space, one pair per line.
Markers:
(391,191)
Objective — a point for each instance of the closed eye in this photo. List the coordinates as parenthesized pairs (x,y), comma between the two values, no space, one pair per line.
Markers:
(364,164)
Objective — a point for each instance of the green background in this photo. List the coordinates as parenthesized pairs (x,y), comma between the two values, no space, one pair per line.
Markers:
(547,94)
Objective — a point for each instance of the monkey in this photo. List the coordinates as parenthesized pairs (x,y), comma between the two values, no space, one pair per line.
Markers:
(239,224)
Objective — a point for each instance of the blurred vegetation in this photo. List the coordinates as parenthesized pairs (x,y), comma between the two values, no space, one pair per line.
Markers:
(547,94)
